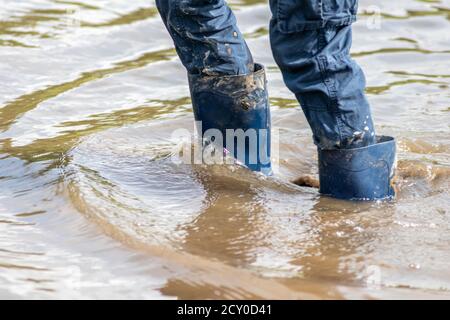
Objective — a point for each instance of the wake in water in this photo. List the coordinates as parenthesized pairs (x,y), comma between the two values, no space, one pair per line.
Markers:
(126,180)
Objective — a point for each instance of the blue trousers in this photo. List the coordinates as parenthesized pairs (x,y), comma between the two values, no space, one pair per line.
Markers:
(310,40)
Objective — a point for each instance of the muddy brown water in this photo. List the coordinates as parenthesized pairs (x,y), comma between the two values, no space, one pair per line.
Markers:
(92,205)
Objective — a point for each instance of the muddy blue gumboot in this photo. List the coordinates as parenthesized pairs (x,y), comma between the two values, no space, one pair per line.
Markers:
(311,42)
(238,107)
(365,173)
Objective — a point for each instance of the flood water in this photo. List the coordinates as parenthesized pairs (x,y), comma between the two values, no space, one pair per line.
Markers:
(92,205)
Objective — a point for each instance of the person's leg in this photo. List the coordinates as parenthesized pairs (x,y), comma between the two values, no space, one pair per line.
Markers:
(206,36)
(311,42)
(228,89)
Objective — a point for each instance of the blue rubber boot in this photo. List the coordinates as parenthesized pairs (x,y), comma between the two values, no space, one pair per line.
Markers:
(365,173)
(237,107)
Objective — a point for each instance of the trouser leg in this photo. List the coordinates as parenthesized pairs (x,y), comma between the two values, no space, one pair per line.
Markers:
(206,36)
(311,41)
(228,89)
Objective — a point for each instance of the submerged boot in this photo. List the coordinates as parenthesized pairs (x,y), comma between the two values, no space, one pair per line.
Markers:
(359,174)
(238,108)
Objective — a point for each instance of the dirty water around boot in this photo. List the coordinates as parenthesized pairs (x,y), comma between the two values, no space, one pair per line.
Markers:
(92,204)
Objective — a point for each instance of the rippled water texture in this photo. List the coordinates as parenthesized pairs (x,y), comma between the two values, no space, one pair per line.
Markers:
(92,205)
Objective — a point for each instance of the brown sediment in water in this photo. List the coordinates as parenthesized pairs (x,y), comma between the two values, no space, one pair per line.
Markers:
(427,171)
(307,181)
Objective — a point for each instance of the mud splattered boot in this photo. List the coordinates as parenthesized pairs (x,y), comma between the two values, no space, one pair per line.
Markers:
(233,111)
(365,173)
